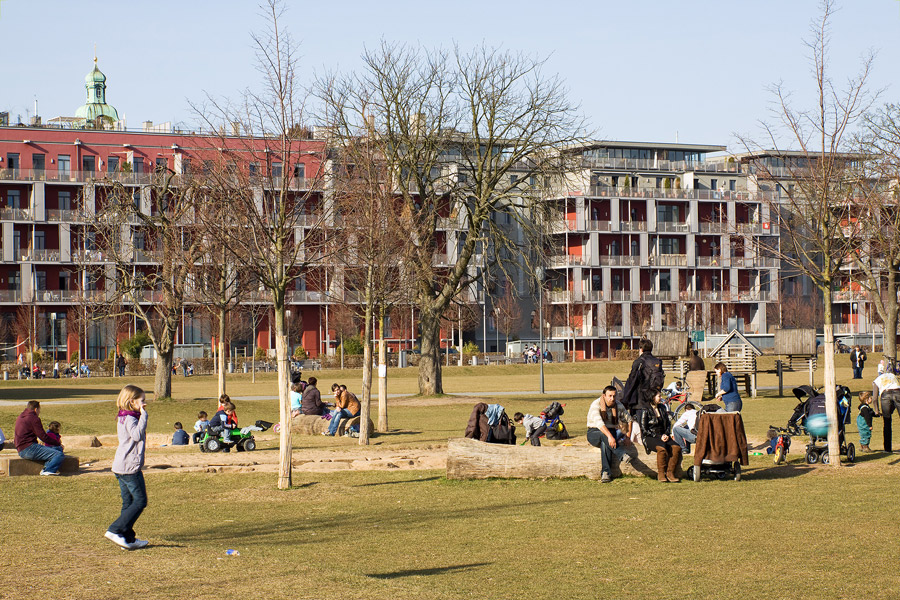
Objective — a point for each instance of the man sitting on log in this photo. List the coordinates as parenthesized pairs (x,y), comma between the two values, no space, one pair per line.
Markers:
(29,430)
(603,431)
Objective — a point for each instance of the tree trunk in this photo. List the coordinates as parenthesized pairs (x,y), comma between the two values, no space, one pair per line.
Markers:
(365,405)
(382,378)
(430,383)
(831,408)
(220,359)
(284,400)
(889,331)
(162,383)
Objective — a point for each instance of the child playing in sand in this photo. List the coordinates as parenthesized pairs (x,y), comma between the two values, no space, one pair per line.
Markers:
(864,420)
(53,434)
(534,427)
(180,437)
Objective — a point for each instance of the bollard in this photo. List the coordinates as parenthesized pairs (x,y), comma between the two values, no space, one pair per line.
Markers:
(811,373)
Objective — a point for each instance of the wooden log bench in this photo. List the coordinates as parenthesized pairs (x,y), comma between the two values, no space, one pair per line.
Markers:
(13,466)
(316,425)
(472,459)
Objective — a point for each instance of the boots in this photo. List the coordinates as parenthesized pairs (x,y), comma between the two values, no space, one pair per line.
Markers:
(865,448)
(661,457)
(674,463)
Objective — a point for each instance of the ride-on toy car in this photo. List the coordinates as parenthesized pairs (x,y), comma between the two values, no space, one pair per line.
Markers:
(242,439)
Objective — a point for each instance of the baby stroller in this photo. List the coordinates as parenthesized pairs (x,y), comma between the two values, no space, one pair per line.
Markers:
(721,446)
(556,429)
(817,448)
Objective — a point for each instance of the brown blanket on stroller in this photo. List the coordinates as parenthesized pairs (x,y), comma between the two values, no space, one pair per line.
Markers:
(720,438)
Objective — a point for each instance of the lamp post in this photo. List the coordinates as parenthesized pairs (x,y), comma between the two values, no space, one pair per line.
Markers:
(539,274)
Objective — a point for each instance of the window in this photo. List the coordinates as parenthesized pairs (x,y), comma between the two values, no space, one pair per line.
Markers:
(162,165)
(513,179)
(669,246)
(276,170)
(139,243)
(463,177)
(39,240)
(207,167)
(596,282)
(635,248)
(136,198)
(138,164)
(40,280)
(12,161)
(665,281)
(37,162)
(300,171)
(666,213)
(732,185)
(616,282)
(254,169)
(64,200)
(713,184)
(112,164)
(13,199)
(185,166)
(64,166)
(614,248)
(88,163)
(15,280)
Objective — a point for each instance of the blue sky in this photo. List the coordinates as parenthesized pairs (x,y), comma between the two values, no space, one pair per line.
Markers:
(641,69)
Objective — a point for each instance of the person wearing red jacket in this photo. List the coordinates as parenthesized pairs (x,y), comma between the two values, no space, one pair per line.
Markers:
(29,430)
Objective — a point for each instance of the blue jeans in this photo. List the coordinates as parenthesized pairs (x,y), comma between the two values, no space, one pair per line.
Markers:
(865,432)
(735,406)
(336,418)
(51,458)
(598,439)
(684,437)
(134,501)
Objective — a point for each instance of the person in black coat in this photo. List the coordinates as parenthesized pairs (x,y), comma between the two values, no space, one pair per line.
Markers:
(655,430)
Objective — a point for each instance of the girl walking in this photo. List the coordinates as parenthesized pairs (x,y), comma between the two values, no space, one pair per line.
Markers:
(132,430)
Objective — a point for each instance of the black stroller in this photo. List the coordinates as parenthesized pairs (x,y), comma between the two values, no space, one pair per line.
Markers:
(814,404)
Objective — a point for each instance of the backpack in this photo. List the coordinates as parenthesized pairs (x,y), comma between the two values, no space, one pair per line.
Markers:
(557,432)
(652,377)
(554,410)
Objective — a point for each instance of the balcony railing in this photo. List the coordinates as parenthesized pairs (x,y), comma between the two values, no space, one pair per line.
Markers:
(656,296)
(633,226)
(10,296)
(562,226)
(63,215)
(300,296)
(15,214)
(40,255)
(620,261)
(148,256)
(713,227)
(611,331)
(600,226)
(711,261)
(605,191)
(620,295)
(672,226)
(648,164)
(668,260)
(566,260)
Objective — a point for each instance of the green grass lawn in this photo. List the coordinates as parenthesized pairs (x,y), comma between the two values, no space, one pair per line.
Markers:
(790,531)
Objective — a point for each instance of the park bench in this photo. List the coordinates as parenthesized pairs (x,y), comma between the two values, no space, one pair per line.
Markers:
(473,459)
(13,466)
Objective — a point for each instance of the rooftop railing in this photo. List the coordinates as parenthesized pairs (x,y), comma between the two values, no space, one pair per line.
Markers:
(650,164)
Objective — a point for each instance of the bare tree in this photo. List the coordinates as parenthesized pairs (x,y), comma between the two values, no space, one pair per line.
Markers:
(147,236)
(609,316)
(815,208)
(877,255)
(342,319)
(466,137)
(277,194)
(508,312)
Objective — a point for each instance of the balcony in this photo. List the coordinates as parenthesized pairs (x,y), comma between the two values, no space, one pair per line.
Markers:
(15,214)
(41,255)
(650,164)
(620,261)
(656,296)
(714,296)
(600,226)
(668,260)
(304,296)
(620,295)
(633,226)
(672,227)
(611,331)
(64,216)
(713,227)
(711,261)
(87,256)
(562,226)
(147,256)
(566,260)
(605,191)
(10,296)
(561,296)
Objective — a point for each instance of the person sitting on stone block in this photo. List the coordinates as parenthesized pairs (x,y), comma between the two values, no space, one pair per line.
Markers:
(29,430)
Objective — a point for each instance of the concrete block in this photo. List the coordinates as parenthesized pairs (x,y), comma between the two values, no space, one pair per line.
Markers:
(14,466)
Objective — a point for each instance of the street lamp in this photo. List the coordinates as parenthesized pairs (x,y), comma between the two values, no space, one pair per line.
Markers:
(539,274)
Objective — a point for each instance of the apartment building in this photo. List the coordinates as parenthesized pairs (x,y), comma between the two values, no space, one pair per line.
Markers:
(657,236)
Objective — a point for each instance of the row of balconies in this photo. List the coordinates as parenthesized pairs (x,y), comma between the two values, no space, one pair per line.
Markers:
(604,191)
(664,260)
(566,225)
(588,296)
(68,176)
(650,164)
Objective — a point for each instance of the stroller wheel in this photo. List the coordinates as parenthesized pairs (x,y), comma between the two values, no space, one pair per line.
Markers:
(851,453)
(737,471)
(812,457)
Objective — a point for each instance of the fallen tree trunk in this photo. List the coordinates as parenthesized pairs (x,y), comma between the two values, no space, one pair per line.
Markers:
(315,425)
(472,459)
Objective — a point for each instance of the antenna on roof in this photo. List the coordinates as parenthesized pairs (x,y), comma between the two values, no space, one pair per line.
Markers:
(95,52)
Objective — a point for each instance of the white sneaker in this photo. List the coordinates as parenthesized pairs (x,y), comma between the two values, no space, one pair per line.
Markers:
(117,539)
(138,544)
(48,473)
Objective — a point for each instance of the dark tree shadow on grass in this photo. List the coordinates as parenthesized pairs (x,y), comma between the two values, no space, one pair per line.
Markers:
(785,471)
(378,483)
(432,571)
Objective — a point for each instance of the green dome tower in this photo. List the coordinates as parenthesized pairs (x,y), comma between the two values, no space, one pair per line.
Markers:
(96,107)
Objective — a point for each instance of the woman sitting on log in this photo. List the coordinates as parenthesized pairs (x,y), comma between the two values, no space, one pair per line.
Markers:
(655,426)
